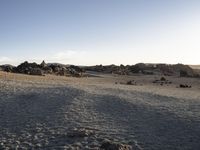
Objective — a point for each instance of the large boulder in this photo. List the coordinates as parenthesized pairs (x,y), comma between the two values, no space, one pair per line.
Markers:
(26,67)
(7,68)
(36,71)
(47,70)
(62,71)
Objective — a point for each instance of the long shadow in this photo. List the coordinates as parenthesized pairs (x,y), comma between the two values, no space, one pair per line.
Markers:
(36,116)
(153,127)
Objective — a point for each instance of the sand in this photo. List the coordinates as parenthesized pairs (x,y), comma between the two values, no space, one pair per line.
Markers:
(55,112)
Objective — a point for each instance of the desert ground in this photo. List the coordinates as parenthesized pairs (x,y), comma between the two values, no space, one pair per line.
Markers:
(54,112)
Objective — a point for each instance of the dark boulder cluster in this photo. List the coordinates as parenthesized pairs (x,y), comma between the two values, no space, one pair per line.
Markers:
(146,69)
(185,86)
(113,69)
(71,70)
(43,68)
(7,68)
(29,68)
(162,81)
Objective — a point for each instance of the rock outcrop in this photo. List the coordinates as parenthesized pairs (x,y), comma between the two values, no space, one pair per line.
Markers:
(43,68)
(76,71)
(7,68)
(146,69)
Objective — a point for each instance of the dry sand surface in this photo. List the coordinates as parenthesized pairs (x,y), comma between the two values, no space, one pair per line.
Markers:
(54,112)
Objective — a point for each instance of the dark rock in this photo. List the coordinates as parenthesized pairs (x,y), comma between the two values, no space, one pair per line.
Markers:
(36,71)
(7,68)
(131,82)
(79,133)
(185,86)
(76,68)
(148,69)
(43,64)
(108,145)
(64,71)
(26,67)
(163,79)
(47,70)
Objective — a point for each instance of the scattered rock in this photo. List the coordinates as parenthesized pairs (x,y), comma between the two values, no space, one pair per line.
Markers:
(162,81)
(185,86)
(131,82)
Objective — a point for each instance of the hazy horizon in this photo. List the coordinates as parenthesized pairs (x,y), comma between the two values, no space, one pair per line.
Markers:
(100,32)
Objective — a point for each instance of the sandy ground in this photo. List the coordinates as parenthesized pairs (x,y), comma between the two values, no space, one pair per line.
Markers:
(54,112)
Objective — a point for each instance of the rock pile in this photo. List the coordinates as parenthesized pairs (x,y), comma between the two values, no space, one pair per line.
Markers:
(29,68)
(146,69)
(7,68)
(141,68)
(43,68)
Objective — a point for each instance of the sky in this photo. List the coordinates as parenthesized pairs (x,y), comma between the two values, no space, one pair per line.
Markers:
(90,32)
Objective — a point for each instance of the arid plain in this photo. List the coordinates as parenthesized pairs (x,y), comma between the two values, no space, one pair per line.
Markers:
(55,112)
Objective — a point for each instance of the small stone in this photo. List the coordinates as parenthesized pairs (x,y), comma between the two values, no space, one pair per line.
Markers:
(80,133)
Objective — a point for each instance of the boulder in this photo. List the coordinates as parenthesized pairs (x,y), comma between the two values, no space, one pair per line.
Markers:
(131,82)
(36,71)
(43,64)
(8,68)
(56,69)
(47,70)
(80,133)
(162,79)
(26,67)
(62,71)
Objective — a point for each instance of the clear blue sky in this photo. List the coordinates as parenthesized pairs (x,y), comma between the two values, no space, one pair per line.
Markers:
(88,32)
